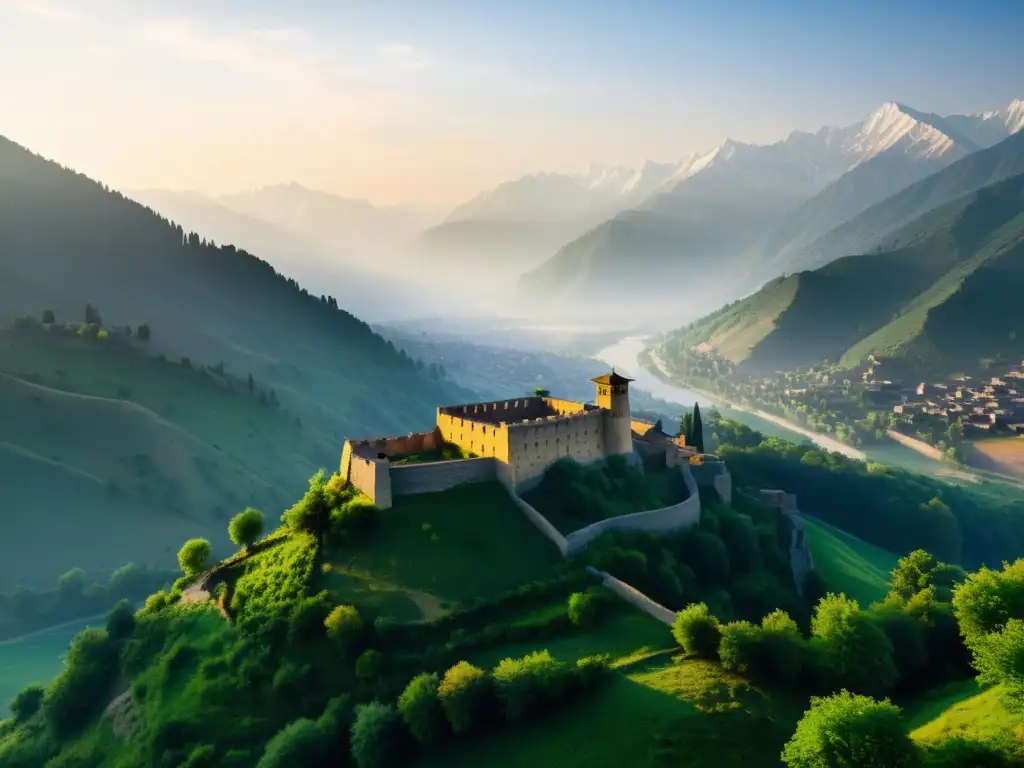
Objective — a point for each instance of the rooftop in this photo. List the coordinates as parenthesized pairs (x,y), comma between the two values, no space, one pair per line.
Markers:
(612,379)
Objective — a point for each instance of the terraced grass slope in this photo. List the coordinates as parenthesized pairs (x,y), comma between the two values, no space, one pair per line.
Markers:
(847,564)
(105,446)
(944,294)
(433,550)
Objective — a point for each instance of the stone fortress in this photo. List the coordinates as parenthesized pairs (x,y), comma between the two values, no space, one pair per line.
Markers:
(514,441)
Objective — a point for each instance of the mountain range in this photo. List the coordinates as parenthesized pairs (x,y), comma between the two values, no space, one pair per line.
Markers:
(743,214)
(940,290)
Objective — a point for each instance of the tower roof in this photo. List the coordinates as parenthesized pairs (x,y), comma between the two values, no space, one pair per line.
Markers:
(611,379)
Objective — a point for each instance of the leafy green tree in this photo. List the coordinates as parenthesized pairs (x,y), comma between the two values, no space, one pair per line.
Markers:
(421,708)
(313,511)
(71,585)
(369,664)
(121,620)
(584,608)
(999,659)
(142,333)
(344,625)
(852,731)
(466,696)
(376,736)
(194,556)
(92,315)
(300,743)
(697,630)
(988,599)
(27,703)
(525,684)
(246,527)
(853,651)
(49,318)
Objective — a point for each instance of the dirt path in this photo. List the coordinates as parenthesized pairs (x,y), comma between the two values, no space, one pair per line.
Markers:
(822,441)
(429,605)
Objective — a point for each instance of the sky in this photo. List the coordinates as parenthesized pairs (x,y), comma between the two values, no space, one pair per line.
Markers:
(429,101)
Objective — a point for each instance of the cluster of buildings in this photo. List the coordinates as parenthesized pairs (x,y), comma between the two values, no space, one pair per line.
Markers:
(993,405)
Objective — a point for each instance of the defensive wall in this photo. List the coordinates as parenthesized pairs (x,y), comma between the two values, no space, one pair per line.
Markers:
(800,559)
(673,518)
(634,596)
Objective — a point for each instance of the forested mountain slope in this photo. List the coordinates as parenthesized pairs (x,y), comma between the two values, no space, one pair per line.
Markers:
(946,292)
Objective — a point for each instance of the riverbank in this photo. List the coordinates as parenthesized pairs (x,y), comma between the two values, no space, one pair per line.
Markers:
(822,441)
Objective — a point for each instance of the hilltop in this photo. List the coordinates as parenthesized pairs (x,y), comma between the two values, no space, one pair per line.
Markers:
(943,292)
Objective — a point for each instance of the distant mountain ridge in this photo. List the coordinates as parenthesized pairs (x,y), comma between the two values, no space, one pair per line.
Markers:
(816,181)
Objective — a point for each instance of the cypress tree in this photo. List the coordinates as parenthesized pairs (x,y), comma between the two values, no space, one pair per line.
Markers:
(697,438)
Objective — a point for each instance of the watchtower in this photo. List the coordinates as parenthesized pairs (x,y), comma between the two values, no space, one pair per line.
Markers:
(613,397)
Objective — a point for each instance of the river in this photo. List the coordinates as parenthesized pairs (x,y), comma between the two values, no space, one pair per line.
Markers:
(624,356)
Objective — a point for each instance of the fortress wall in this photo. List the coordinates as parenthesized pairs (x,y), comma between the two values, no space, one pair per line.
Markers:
(542,524)
(640,426)
(396,447)
(486,440)
(372,478)
(515,409)
(682,515)
(534,446)
(714,474)
(635,597)
(433,476)
(566,407)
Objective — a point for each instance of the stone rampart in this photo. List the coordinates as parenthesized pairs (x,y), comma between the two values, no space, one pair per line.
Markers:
(542,524)
(635,597)
(433,476)
(399,446)
(682,515)
(801,561)
(714,474)
(534,446)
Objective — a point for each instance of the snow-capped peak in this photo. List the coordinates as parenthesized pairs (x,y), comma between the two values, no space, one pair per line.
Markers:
(896,126)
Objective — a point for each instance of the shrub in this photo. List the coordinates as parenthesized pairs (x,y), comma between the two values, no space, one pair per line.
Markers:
(194,556)
(421,708)
(307,620)
(966,752)
(202,756)
(465,694)
(155,602)
(584,608)
(741,648)
(353,519)
(81,687)
(246,527)
(591,669)
(527,683)
(697,631)
(850,730)
(376,736)
(27,703)
(369,664)
(301,742)
(343,624)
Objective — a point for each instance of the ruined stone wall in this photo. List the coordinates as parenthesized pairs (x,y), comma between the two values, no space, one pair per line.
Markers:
(536,445)
(433,476)
(482,439)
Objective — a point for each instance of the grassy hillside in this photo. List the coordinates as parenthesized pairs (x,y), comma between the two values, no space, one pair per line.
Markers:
(427,554)
(654,713)
(123,435)
(147,451)
(847,564)
(944,295)
(962,709)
